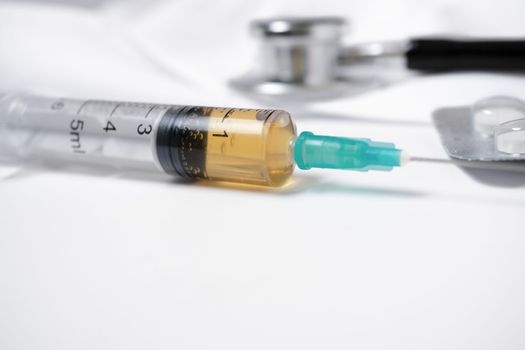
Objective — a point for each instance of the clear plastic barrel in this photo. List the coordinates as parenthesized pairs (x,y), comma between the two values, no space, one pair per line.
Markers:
(119,134)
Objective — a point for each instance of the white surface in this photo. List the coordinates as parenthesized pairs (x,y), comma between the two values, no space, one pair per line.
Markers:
(425,257)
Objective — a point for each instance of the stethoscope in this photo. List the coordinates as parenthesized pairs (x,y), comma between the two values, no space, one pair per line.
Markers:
(305,58)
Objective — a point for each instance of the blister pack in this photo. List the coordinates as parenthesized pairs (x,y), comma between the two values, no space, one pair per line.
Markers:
(491,130)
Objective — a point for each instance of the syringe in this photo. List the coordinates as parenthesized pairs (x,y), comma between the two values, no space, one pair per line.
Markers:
(257,146)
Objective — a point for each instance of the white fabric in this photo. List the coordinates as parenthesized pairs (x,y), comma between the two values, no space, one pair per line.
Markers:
(425,257)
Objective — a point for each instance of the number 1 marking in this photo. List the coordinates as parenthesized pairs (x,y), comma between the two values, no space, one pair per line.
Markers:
(224,133)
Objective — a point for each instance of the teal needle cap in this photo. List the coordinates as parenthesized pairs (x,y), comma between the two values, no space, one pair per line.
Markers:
(332,152)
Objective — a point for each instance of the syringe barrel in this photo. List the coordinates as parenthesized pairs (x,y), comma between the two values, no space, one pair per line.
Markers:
(230,144)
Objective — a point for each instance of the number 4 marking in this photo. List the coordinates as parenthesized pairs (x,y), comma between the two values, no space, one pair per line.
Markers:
(109,127)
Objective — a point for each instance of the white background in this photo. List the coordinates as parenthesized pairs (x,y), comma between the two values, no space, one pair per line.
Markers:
(425,257)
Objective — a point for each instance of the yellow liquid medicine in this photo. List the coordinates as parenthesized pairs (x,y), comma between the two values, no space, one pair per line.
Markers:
(252,146)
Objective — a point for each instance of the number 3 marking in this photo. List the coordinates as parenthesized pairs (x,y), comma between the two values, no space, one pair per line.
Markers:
(141,129)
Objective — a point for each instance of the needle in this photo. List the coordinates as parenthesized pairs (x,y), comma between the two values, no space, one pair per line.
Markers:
(476,164)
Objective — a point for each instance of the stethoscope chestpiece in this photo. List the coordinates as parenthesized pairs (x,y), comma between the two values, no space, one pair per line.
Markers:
(301,50)
(298,58)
